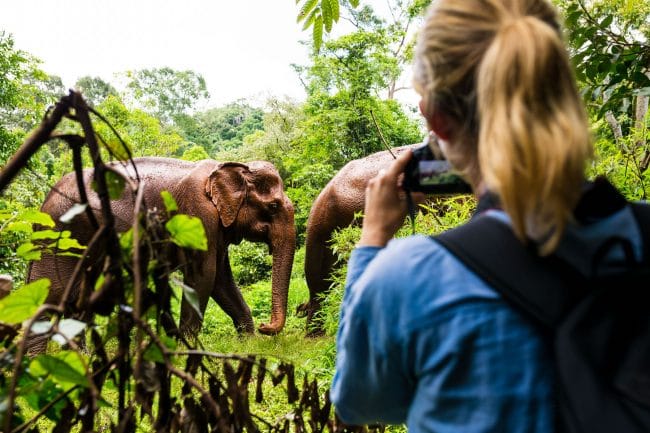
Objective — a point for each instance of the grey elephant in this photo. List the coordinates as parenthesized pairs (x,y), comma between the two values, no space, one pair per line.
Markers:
(334,208)
(235,201)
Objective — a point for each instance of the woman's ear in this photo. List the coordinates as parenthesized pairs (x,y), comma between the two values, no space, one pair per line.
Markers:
(438,121)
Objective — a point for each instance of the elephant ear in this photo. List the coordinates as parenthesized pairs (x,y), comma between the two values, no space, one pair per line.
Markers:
(226,187)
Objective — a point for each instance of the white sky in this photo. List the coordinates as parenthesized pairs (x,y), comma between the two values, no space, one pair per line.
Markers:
(243,48)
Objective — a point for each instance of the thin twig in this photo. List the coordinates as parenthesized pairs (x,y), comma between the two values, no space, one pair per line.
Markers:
(383,140)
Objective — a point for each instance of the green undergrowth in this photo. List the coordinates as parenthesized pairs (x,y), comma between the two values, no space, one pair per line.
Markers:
(312,358)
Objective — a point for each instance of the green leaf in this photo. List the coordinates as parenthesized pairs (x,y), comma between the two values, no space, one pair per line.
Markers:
(66,244)
(169,342)
(306,8)
(20,226)
(318,32)
(326,12)
(50,234)
(117,148)
(310,19)
(69,254)
(28,251)
(63,368)
(37,217)
(187,232)
(153,354)
(75,210)
(354,3)
(21,304)
(42,394)
(126,240)
(605,65)
(170,203)
(336,10)
(605,22)
(190,295)
(114,183)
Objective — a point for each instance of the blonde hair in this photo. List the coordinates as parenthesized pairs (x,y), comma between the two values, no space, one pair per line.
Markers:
(500,70)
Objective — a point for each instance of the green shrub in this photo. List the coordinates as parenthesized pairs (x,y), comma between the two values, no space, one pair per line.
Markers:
(250,262)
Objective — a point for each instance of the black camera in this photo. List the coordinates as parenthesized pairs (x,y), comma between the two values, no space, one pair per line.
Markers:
(425,173)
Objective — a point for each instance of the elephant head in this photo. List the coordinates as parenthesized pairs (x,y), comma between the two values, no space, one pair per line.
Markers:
(252,205)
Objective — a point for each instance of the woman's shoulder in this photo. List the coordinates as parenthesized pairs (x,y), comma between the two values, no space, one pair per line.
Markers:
(420,277)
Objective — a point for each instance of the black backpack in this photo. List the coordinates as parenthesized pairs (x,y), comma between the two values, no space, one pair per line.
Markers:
(598,326)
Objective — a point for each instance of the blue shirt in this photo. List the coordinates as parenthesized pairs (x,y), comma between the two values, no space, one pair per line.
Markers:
(423,341)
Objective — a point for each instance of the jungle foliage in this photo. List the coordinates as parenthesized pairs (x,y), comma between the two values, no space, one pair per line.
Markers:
(351,84)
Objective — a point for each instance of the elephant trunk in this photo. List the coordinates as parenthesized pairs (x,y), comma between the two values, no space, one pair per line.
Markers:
(284,245)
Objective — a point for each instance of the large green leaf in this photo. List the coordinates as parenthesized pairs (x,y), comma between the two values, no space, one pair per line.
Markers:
(326,12)
(37,217)
(65,368)
(306,8)
(118,148)
(190,295)
(310,19)
(50,234)
(23,303)
(336,12)
(28,251)
(126,240)
(66,244)
(114,183)
(20,226)
(318,32)
(187,232)
(41,394)
(170,203)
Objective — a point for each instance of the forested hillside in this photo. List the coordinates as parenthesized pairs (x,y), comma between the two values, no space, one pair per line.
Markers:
(352,84)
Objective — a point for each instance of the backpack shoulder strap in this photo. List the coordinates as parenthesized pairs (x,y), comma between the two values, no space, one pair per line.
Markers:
(543,288)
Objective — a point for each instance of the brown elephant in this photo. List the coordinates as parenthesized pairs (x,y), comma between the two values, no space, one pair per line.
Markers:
(334,208)
(234,201)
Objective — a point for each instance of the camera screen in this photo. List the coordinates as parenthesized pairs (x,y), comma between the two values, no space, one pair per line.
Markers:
(435,172)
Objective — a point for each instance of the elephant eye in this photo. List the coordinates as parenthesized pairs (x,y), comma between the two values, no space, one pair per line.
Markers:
(273,207)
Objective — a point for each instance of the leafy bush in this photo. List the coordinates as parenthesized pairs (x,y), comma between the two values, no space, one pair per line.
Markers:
(305,185)
(250,262)
(619,160)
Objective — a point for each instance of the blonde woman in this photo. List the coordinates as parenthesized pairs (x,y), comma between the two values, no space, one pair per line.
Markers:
(423,340)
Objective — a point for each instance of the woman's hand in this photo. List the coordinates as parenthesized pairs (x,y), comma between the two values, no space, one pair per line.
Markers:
(385,207)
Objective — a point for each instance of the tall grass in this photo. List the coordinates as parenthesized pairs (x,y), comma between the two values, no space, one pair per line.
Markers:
(314,357)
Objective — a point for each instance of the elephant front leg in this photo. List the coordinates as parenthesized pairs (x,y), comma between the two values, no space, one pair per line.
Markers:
(228,296)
